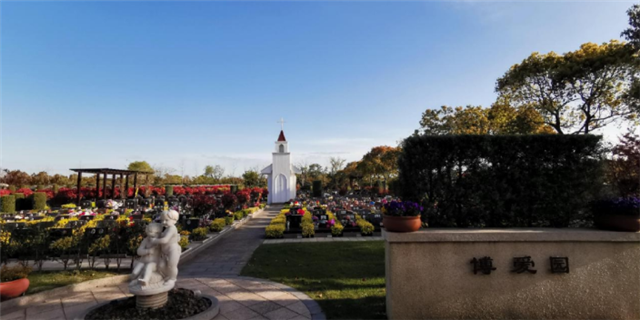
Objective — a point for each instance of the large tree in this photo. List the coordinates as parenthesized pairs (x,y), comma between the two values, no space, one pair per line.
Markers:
(576,92)
(214,172)
(500,118)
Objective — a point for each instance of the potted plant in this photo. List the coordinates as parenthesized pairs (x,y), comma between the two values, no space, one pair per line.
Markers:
(14,281)
(620,214)
(401,216)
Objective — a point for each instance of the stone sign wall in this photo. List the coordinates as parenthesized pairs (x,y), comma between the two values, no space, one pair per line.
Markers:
(513,273)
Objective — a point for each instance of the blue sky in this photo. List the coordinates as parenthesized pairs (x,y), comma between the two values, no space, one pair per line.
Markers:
(187,84)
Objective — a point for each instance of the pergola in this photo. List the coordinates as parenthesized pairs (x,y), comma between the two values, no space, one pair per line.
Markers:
(113,172)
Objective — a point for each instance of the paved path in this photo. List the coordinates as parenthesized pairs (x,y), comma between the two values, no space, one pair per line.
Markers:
(214,271)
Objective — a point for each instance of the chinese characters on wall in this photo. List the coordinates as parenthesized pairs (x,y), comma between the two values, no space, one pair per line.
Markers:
(524,264)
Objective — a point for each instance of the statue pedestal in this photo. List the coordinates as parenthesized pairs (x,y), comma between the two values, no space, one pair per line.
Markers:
(152,301)
(154,295)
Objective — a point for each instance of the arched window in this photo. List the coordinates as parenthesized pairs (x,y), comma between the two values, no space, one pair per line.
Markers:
(281,148)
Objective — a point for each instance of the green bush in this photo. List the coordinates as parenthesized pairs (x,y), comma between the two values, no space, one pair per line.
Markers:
(501,180)
(217,225)
(228,220)
(274,231)
(40,187)
(169,191)
(366,228)
(199,234)
(12,188)
(238,215)
(307,229)
(19,195)
(39,201)
(317,188)
(184,242)
(55,189)
(9,204)
(69,206)
(262,205)
(336,230)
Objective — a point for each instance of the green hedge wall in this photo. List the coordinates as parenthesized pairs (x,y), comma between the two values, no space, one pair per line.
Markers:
(39,200)
(502,181)
(317,188)
(9,204)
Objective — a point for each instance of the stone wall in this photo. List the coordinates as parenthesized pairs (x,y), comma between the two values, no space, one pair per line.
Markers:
(430,274)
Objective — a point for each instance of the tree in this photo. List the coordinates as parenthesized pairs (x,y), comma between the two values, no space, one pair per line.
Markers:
(41,178)
(632,34)
(624,169)
(253,179)
(577,92)
(16,178)
(381,162)
(336,165)
(144,167)
(214,172)
(336,179)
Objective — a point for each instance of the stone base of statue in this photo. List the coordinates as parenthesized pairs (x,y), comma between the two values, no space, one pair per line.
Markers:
(152,301)
(153,295)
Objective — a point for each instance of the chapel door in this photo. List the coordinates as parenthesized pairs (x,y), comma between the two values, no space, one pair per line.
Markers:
(281,192)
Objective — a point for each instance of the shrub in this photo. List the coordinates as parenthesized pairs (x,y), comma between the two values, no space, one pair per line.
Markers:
(69,206)
(238,215)
(501,180)
(336,229)
(39,201)
(199,234)
(169,191)
(12,188)
(217,225)
(274,231)
(228,220)
(262,205)
(307,229)
(317,188)
(14,273)
(22,203)
(183,242)
(9,204)
(366,228)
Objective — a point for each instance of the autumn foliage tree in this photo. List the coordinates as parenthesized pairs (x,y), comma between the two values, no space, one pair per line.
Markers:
(576,92)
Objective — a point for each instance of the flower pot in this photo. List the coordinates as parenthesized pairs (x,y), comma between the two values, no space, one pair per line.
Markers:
(401,224)
(618,222)
(12,289)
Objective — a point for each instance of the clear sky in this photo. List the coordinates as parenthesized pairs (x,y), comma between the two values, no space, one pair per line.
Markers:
(187,84)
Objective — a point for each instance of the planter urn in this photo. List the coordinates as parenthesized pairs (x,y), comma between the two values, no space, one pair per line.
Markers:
(401,224)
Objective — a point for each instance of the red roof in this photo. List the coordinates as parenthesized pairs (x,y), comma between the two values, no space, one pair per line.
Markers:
(281,137)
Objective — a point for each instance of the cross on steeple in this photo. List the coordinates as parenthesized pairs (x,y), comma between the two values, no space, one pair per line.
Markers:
(281,122)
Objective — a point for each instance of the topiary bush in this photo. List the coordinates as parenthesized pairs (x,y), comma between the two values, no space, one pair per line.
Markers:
(217,225)
(228,220)
(501,180)
(238,215)
(169,191)
(39,201)
(9,204)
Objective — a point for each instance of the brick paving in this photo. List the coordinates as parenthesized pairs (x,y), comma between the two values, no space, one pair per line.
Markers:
(214,271)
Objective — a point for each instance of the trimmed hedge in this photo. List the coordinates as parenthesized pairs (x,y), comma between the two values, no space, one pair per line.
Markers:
(9,204)
(39,201)
(22,202)
(502,181)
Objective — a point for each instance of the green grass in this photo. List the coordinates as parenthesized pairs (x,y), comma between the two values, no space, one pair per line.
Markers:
(345,278)
(47,280)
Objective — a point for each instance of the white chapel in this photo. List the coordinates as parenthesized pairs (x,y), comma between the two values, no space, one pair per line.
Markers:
(281,174)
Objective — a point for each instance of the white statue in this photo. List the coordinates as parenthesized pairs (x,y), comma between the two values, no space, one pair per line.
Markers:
(149,256)
(157,269)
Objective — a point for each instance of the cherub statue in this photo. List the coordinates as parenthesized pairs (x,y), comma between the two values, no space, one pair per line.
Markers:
(149,256)
(170,248)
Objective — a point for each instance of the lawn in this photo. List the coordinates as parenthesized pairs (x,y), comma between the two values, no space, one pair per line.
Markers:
(345,278)
(47,280)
